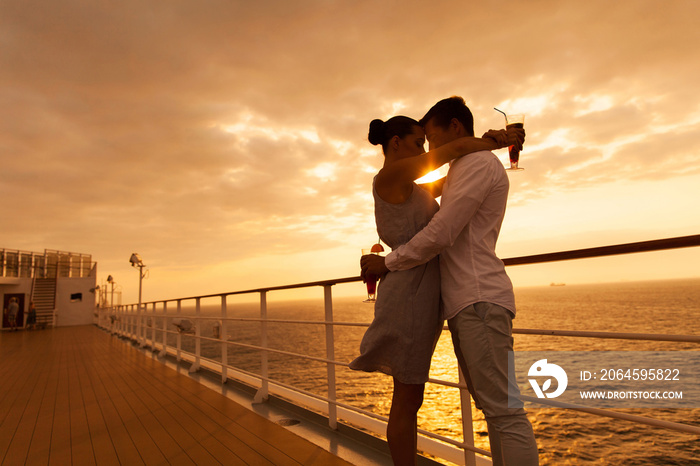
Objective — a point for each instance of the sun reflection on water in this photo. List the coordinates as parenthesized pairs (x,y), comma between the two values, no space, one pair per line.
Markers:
(563,437)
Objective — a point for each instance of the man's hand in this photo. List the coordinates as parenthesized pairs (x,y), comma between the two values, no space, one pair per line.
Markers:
(372,264)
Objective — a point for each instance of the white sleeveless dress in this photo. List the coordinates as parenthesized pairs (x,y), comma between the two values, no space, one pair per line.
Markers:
(407,320)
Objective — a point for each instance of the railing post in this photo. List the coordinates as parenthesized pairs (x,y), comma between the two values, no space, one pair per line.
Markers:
(330,355)
(467,421)
(153,329)
(179,337)
(224,339)
(164,351)
(139,326)
(263,392)
(197,334)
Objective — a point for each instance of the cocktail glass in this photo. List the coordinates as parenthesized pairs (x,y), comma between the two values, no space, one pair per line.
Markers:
(370,281)
(518,121)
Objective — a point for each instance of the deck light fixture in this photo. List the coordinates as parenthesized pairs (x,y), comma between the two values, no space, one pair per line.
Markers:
(184,325)
(136,260)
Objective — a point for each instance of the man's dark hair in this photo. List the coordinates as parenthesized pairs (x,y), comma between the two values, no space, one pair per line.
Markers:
(444,111)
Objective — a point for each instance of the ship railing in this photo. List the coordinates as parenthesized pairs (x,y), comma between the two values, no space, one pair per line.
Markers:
(15,263)
(131,322)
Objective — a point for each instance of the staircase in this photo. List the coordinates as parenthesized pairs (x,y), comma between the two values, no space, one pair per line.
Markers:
(44,297)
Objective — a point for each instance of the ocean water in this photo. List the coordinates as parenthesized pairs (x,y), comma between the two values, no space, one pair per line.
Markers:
(564,437)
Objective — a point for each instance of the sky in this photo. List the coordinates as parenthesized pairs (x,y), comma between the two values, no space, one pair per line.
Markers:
(226,141)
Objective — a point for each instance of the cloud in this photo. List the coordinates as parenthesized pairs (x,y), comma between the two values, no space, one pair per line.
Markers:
(222,130)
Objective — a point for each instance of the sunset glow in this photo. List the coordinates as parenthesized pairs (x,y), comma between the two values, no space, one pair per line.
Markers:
(227,143)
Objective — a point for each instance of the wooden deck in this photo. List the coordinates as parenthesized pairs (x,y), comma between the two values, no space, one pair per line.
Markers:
(77,395)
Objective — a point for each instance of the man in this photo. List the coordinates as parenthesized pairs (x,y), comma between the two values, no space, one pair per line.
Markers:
(477,294)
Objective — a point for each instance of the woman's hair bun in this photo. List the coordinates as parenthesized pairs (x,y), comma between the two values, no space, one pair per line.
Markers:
(376,132)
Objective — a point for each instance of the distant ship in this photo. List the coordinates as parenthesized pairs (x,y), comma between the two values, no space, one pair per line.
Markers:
(557,284)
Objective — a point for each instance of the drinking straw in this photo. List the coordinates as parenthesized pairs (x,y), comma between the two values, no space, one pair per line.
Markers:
(504,113)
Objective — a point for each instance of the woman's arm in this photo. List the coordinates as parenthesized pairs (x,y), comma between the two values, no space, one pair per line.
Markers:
(394,180)
(412,168)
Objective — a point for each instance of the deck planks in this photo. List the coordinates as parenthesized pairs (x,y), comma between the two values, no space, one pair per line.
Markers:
(77,395)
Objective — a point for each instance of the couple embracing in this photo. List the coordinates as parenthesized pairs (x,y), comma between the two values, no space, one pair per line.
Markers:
(470,280)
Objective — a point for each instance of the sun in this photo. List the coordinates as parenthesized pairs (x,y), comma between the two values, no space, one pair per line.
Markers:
(434,175)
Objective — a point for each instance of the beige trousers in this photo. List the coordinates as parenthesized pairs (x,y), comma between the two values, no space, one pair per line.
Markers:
(482,338)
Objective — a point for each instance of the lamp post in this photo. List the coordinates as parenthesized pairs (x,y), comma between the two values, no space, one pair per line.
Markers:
(136,261)
(110,280)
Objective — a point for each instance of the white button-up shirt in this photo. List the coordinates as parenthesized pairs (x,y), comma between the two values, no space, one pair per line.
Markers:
(464,233)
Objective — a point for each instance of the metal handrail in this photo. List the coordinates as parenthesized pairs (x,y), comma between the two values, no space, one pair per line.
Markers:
(618,249)
(617,415)
(522,331)
(37,264)
(611,335)
(126,327)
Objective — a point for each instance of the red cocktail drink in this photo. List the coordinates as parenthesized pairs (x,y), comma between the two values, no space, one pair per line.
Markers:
(517,121)
(513,153)
(370,279)
(371,282)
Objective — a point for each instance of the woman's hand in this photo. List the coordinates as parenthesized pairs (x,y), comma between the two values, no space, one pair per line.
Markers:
(499,136)
(511,136)
(516,137)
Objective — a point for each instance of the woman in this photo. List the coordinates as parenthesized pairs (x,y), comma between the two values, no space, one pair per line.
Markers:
(407,321)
